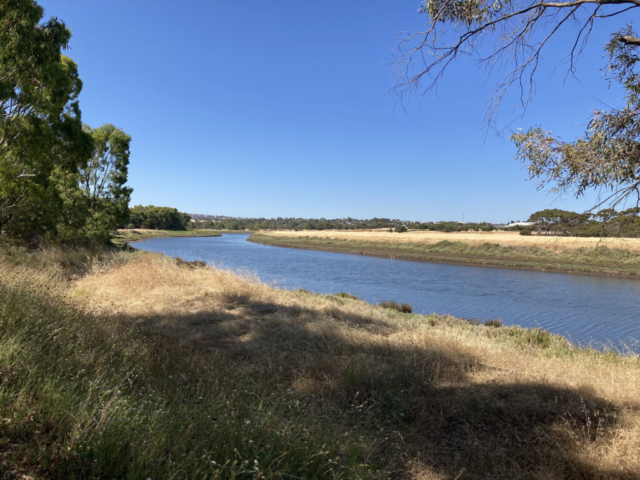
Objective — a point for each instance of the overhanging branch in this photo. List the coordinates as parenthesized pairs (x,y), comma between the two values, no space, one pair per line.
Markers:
(629,40)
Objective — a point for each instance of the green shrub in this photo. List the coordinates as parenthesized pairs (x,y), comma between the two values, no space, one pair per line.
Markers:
(526,231)
(400,229)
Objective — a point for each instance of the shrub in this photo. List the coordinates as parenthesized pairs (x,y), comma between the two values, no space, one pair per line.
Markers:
(401,229)
(346,295)
(495,323)
(393,305)
(406,308)
(191,264)
(526,231)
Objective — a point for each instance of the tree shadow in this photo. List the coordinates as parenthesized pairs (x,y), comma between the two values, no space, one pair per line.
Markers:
(435,416)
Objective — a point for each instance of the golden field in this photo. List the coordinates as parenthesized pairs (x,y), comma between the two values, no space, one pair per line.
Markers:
(139,366)
(476,400)
(507,239)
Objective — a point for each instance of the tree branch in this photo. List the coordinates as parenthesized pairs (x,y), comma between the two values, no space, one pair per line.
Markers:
(629,40)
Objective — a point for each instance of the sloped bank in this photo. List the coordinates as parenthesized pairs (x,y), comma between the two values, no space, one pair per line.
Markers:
(150,368)
(599,261)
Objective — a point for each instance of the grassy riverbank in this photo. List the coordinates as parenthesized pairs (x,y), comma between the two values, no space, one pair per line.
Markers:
(130,365)
(552,243)
(599,260)
(124,236)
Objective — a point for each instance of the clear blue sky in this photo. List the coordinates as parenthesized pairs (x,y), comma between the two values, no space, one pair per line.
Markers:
(281,109)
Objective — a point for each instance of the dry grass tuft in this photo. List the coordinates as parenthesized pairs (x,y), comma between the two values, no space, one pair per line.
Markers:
(393,305)
(429,397)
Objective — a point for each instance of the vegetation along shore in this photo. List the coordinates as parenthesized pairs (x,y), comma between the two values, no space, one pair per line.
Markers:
(135,365)
(122,364)
(132,235)
(611,257)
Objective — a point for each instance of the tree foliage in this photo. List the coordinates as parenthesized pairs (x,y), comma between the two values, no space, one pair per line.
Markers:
(604,223)
(103,180)
(158,218)
(608,155)
(41,137)
(43,145)
(510,36)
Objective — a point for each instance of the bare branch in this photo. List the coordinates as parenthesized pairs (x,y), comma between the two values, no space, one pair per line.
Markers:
(512,29)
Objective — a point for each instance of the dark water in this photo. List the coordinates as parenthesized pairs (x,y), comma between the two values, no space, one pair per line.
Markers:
(584,308)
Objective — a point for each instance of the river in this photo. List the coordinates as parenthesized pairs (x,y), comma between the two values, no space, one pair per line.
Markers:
(586,309)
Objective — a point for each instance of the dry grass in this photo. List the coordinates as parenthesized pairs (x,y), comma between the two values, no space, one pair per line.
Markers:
(430,397)
(508,239)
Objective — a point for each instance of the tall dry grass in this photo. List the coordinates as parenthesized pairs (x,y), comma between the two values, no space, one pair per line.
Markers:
(508,239)
(400,394)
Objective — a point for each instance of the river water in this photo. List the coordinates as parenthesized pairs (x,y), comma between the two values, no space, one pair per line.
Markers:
(586,309)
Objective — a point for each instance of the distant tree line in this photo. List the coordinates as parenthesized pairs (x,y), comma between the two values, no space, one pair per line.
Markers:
(158,218)
(452,226)
(605,223)
(285,223)
(348,223)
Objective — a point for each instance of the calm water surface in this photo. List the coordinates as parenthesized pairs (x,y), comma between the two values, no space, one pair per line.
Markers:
(584,308)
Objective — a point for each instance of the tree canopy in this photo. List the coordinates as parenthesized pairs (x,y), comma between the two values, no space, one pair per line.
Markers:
(43,144)
(158,218)
(103,180)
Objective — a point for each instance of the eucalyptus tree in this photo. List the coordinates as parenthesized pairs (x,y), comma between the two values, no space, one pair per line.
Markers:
(41,137)
(103,181)
(510,36)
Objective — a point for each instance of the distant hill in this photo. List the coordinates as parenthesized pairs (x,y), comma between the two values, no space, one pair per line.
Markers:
(215,218)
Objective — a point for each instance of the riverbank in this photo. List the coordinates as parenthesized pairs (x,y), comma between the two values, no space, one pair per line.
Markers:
(602,260)
(552,243)
(133,365)
(124,236)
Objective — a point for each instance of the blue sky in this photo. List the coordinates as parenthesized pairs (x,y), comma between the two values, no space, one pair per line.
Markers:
(281,109)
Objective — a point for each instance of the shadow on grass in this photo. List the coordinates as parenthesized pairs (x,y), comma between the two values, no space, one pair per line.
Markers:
(422,403)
